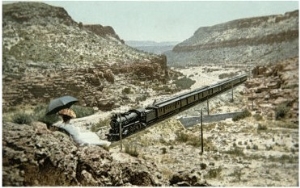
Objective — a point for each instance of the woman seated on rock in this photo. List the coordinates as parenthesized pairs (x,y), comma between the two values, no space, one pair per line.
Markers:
(82,137)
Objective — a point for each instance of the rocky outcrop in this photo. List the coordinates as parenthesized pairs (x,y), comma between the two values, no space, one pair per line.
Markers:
(257,40)
(31,13)
(274,87)
(36,156)
(103,31)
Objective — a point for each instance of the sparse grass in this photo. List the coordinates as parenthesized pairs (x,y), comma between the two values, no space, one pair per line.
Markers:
(213,173)
(243,115)
(235,151)
(209,127)
(286,124)
(191,139)
(188,138)
(131,150)
(284,159)
(237,173)
(102,122)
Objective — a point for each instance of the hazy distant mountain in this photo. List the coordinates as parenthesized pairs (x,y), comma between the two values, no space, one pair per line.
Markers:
(152,46)
(256,40)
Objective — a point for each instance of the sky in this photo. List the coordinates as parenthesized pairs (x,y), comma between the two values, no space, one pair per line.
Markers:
(167,20)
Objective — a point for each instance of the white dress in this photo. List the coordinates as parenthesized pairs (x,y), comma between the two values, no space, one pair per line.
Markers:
(83,137)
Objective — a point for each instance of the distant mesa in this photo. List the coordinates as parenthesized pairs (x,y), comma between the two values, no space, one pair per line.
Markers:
(248,41)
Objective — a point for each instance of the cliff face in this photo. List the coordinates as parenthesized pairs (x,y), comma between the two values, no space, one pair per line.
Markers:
(46,55)
(254,40)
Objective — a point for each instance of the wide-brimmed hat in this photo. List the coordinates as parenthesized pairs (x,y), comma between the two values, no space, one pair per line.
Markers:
(67,112)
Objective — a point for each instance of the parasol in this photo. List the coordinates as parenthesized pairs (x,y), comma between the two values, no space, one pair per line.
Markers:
(60,103)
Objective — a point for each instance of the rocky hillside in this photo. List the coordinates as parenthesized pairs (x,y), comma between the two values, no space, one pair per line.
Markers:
(256,40)
(273,91)
(46,54)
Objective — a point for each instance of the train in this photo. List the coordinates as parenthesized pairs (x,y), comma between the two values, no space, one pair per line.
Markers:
(128,123)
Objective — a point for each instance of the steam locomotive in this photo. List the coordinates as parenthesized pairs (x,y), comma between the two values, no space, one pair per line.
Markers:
(137,119)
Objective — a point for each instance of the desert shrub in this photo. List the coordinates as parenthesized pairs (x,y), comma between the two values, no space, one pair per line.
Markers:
(109,76)
(261,127)
(189,139)
(126,90)
(203,166)
(213,173)
(281,110)
(255,147)
(182,137)
(245,113)
(82,111)
(166,88)
(131,150)
(257,117)
(164,150)
(184,83)
(22,118)
(237,173)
